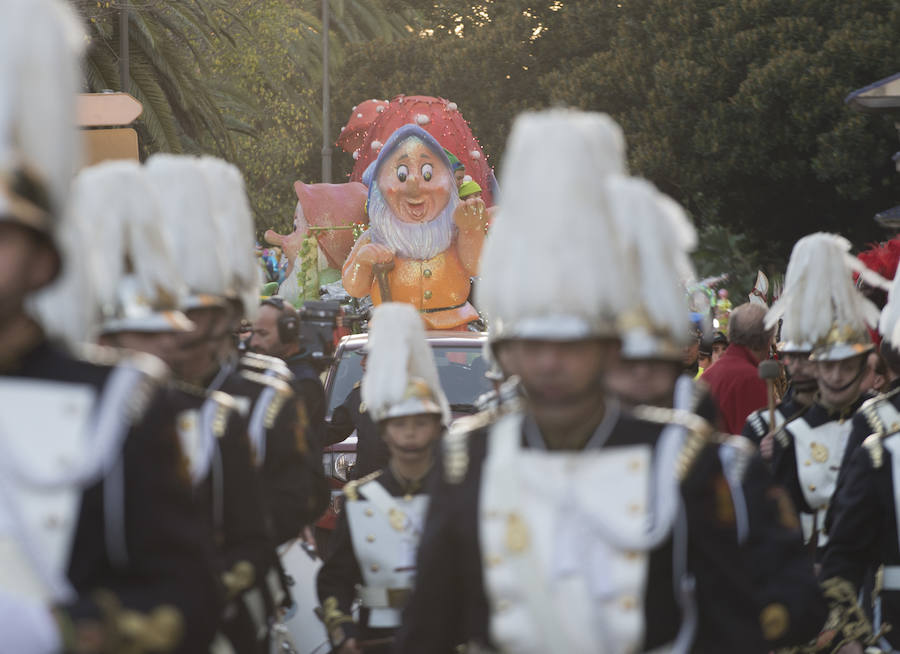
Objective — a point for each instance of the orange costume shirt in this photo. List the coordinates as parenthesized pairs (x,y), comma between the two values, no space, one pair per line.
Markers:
(438,287)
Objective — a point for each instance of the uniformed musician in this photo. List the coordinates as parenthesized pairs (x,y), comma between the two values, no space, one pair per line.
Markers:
(374,547)
(800,395)
(809,449)
(564,524)
(195,196)
(138,289)
(101,549)
(863,523)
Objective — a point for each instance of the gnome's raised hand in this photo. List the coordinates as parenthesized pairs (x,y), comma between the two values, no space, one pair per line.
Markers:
(470,214)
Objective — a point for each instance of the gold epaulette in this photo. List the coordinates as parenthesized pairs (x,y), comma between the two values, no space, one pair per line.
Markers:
(351,488)
(225,405)
(700,433)
(357,385)
(875,448)
(265,362)
(283,392)
(869,409)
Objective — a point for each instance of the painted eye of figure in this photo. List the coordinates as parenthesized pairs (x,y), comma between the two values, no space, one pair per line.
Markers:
(402,173)
(427,172)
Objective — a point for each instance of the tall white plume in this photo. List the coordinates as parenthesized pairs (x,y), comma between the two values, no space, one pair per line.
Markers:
(186,210)
(553,247)
(819,291)
(657,237)
(398,351)
(234,221)
(41,42)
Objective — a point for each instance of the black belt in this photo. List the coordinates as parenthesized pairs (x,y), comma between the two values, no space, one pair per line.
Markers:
(455,306)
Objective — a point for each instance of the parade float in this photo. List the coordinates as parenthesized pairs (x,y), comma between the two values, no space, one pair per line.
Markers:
(330,220)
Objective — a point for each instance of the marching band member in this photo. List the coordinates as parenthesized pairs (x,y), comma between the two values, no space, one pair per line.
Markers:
(374,546)
(821,306)
(863,523)
(562,523)
(100,546)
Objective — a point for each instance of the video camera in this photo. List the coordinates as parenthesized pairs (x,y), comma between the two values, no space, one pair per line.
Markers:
(322,325)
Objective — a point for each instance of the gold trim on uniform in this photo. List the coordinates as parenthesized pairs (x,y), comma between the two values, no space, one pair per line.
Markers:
(133,632)
(241,577)
(819,452)
(351,488)
(518,537)
(876,450)
(774,620)
(333,618)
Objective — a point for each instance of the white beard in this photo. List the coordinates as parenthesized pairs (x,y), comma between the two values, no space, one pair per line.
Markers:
(410,240)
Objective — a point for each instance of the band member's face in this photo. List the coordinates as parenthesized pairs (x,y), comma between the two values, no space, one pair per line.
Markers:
(412,438)
(459,175)
(799,367)
(415,182)
(840,381)
(644,382)
(161,344)
(200,350)
(561,372)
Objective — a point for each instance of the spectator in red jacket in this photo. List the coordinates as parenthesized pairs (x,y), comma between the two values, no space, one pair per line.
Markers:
(734,381)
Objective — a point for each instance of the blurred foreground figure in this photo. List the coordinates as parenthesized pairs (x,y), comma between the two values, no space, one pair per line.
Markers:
(561,523)
(100,547)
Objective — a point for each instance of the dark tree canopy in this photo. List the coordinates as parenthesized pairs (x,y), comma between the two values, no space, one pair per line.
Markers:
(734,107)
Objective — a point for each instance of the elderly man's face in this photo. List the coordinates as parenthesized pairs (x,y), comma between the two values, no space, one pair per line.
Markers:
(415,182)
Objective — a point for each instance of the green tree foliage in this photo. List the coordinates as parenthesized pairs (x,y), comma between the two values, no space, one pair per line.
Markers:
(272,61)
(181,100)
(734,107)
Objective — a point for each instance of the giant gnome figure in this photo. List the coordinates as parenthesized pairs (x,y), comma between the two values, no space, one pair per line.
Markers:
(423,242)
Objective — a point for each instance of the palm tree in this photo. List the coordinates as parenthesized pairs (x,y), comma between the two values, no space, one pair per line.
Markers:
(170,45)
(166,74)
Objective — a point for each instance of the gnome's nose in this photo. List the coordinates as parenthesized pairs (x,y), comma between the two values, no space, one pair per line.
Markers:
(412,182)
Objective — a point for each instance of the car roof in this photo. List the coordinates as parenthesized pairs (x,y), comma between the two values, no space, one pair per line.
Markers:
(434,338)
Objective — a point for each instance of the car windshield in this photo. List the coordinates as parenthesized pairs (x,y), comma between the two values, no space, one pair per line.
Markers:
(461,370)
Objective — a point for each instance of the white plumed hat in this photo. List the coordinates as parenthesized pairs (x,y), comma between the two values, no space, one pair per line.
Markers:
(552,263)
(656,239)
(820,304)
(234,223)
(187,217)
(40,46)
(401,378)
